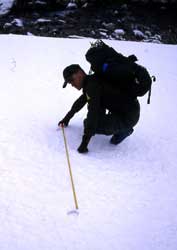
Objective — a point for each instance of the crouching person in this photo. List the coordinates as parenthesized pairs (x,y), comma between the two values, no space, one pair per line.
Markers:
(110,110)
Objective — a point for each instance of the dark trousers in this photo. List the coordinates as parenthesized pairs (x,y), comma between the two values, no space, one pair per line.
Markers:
(116,122)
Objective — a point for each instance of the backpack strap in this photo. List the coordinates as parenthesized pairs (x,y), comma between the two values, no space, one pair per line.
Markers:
(149,96)
(104,67)
(149,92)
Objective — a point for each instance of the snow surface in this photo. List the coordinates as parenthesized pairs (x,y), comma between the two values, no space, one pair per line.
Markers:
(126,194)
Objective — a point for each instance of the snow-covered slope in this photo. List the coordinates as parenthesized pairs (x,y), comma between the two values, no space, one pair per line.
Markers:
(126,193)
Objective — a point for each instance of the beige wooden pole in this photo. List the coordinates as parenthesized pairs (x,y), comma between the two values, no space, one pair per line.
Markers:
(69,165)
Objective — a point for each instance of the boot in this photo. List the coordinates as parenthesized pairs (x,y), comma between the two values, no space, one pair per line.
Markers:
(119,137)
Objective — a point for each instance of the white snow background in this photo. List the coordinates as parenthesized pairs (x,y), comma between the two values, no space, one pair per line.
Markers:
(127,194)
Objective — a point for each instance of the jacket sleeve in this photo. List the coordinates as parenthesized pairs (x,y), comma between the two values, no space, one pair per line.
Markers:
(93,99)
(77,105)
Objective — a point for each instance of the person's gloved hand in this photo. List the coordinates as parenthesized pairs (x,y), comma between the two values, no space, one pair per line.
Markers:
(83,146)
(64,122)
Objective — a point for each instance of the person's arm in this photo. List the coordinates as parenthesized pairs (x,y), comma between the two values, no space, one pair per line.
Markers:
(93,99)
(78,105)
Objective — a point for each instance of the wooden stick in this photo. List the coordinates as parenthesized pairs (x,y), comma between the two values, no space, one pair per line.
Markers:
(69,165)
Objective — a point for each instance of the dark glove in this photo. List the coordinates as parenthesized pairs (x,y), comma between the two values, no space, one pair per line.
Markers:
(64,122)
(83,146)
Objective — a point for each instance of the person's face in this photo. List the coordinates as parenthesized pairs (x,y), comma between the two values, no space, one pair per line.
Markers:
(77,79)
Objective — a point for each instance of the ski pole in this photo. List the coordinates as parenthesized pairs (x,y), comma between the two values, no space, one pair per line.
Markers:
(69,165)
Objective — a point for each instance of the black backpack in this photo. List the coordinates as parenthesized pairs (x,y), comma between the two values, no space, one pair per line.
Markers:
(119,70)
